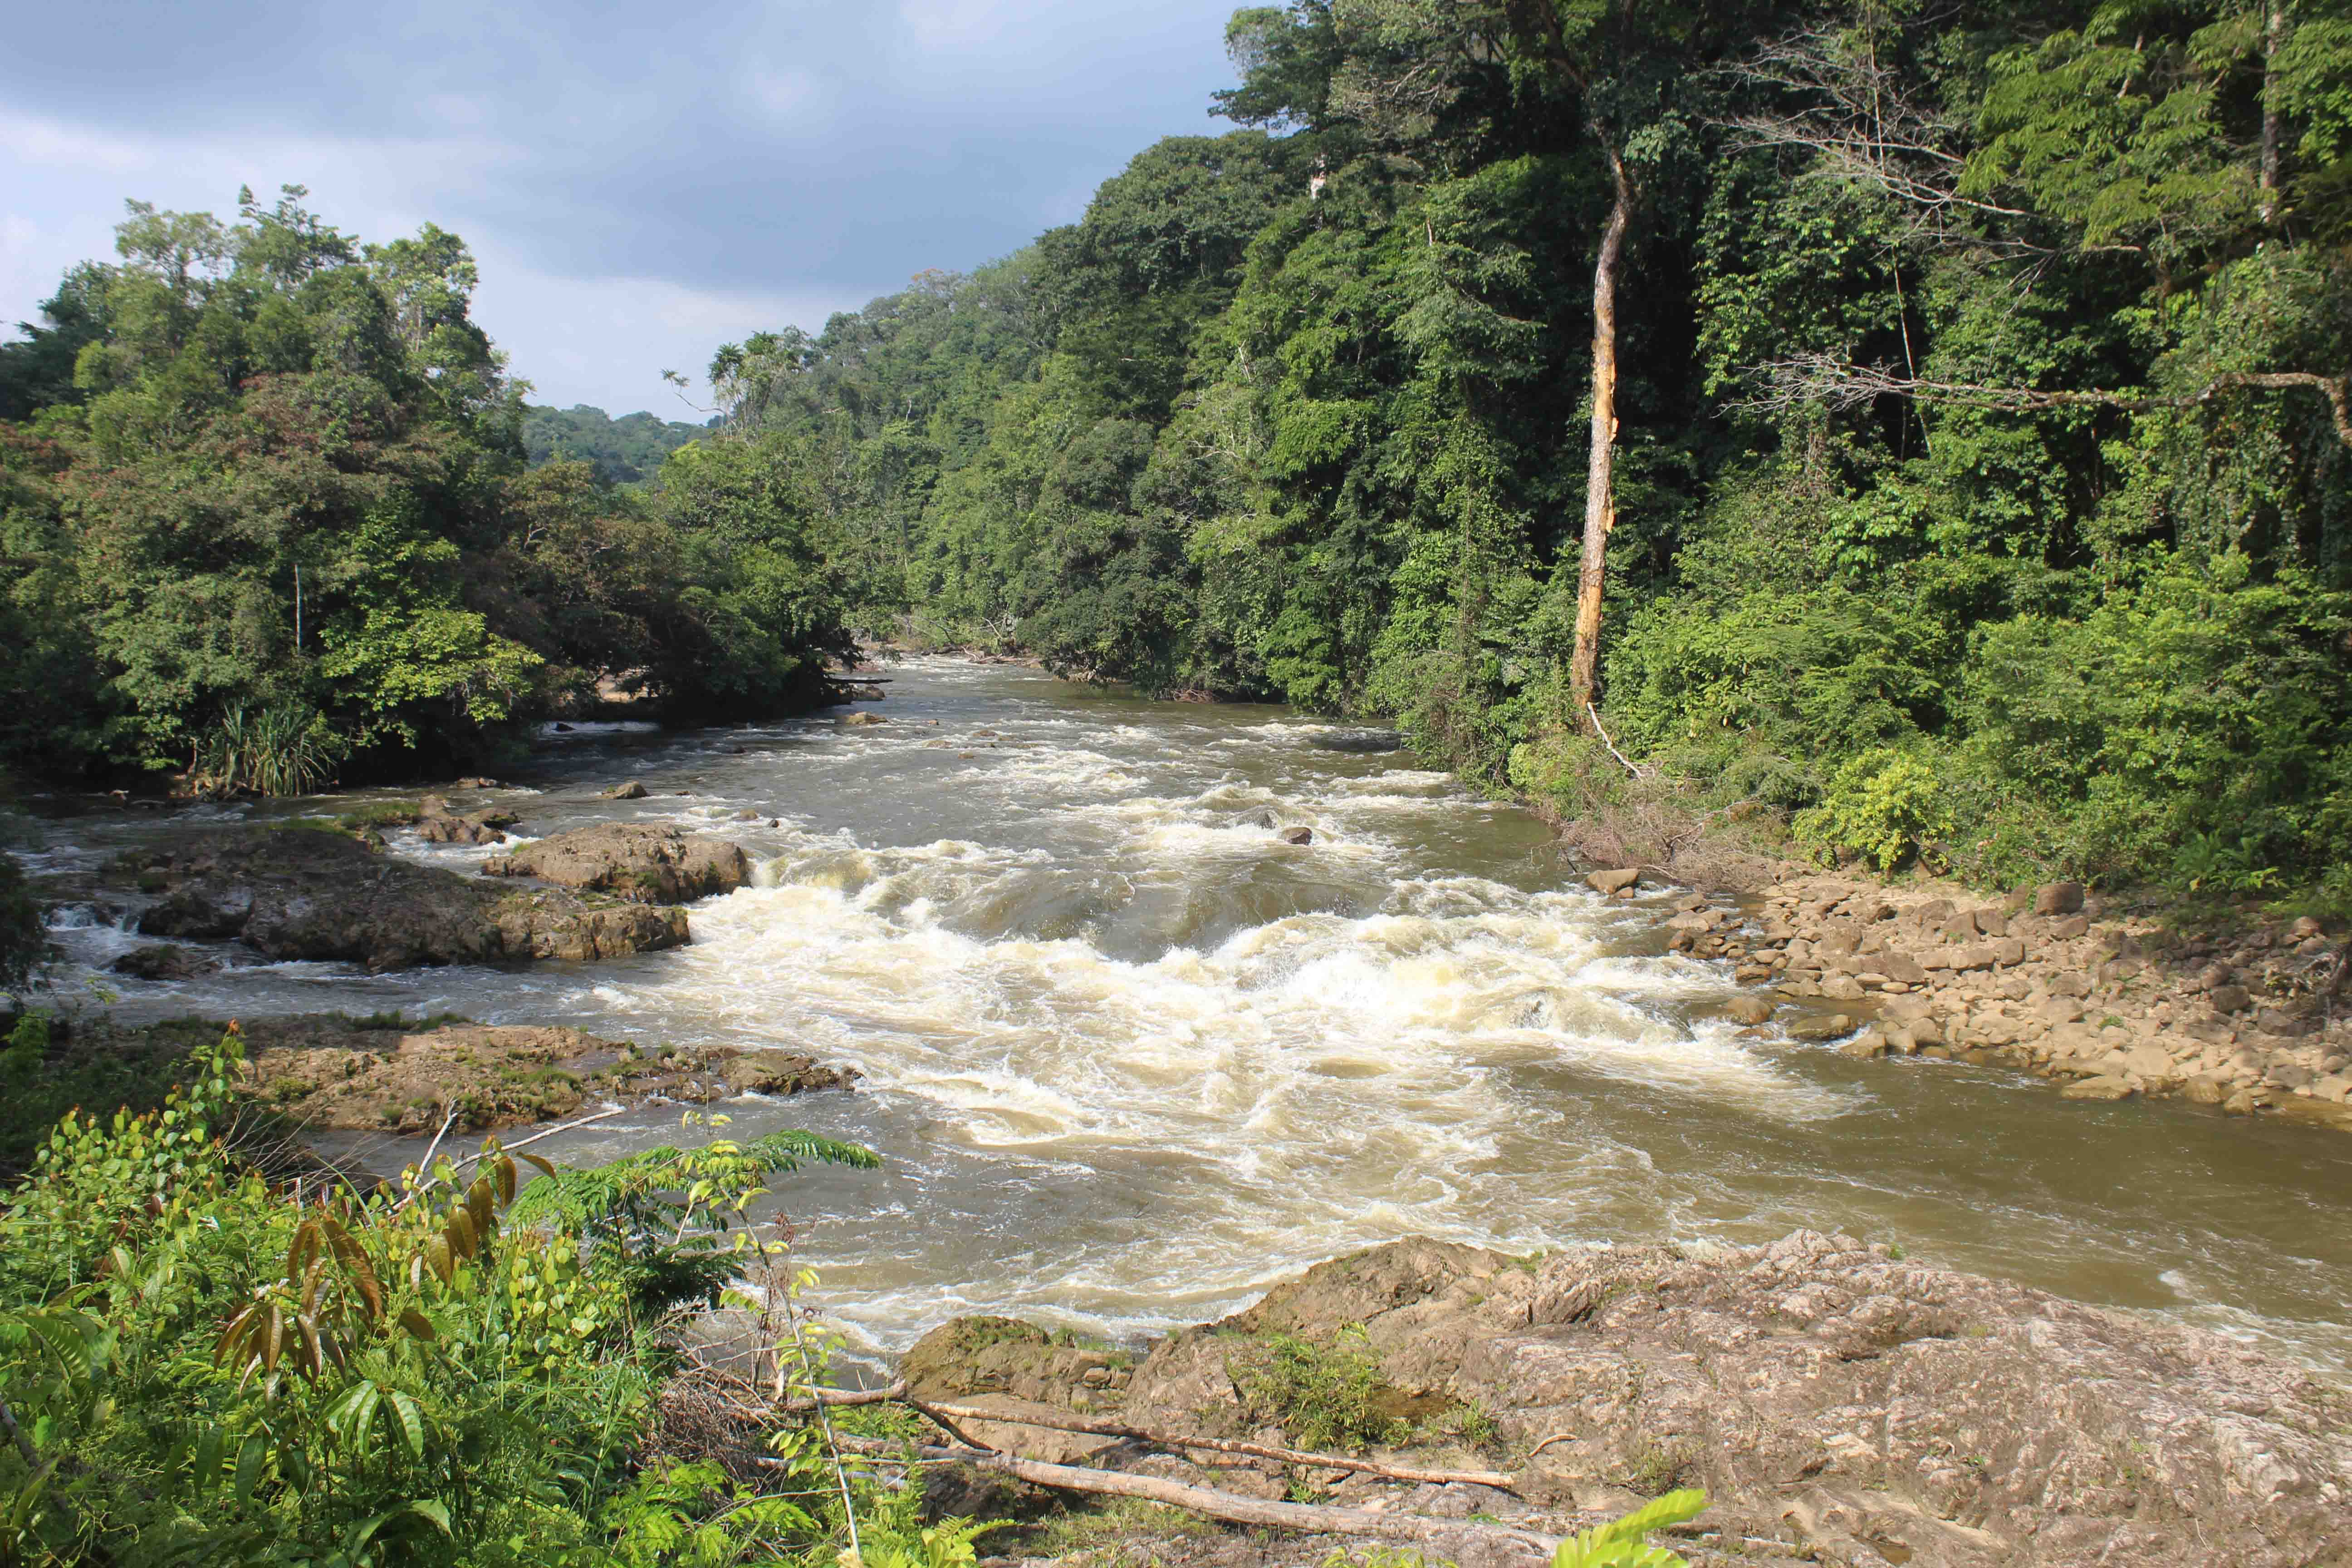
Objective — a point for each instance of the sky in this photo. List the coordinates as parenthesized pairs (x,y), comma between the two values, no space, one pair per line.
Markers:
(639,182)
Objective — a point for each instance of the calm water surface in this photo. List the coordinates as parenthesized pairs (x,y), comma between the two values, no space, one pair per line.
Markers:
(1130,1059)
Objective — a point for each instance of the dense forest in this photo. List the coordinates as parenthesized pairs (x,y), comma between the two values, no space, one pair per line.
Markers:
(1928,420)
(1925,423)
(265,516)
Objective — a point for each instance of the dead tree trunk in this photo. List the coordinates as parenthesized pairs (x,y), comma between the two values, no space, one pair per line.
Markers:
(2274,40)
(1600,497)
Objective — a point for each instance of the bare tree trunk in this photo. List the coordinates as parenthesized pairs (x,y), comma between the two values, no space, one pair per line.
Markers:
(2274,40)
(1600,498)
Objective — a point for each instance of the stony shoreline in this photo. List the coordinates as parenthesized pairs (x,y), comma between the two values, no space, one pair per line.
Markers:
(2109,1003)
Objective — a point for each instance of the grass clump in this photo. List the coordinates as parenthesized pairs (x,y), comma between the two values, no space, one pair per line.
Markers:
(1323,1394)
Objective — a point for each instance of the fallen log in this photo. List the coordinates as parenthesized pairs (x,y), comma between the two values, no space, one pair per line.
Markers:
(1311,1519)
(948,1414)
(1494,1479)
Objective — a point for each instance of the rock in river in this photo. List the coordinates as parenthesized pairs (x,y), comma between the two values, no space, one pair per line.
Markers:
(292,893)
(644,862)
(164,960)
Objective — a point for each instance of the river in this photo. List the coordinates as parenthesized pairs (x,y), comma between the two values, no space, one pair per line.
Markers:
(1130,1058)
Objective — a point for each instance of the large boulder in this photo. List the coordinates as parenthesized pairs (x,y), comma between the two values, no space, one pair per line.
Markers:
(644,862)
(296,894)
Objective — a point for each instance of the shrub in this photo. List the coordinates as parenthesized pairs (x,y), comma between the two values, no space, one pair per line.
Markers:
(1883,806)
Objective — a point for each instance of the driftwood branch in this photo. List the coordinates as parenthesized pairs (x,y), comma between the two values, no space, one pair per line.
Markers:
(1821,378)
(1232,1507)
(948,1414)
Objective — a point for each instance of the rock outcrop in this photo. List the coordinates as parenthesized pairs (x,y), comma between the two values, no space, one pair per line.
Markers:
(641,862)
(2049,983)
(296,894)
(331,1071)
(1830,1397)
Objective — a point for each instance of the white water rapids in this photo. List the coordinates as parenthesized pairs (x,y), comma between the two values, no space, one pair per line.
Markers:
(1130,1058)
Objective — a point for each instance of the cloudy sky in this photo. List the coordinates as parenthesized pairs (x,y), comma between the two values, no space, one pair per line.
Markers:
(639,182)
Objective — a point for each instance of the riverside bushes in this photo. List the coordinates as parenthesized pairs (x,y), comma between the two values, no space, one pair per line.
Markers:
(199,1367)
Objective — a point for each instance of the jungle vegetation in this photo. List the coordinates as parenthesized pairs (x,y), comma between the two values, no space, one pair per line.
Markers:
(1923,421)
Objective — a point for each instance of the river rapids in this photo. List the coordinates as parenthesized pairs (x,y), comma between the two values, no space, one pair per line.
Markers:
(1130,1058)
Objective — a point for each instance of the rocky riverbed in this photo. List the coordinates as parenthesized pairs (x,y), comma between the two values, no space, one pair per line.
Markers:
(2110,1004)
(1839,1404)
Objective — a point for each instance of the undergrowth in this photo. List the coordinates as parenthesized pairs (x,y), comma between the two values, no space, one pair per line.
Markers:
(200,1365)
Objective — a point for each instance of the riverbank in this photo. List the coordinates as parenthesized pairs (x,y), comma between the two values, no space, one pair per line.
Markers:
(1839,1403)
(2110,1003)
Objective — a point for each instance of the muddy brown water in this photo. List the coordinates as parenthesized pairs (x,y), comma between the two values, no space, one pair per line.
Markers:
(1130,1059)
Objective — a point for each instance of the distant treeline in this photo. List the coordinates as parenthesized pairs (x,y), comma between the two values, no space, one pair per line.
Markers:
(624,451)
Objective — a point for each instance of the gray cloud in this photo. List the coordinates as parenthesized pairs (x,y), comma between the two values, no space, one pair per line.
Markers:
(678,170)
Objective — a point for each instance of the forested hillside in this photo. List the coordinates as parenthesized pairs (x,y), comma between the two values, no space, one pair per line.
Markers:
(1981,479)
(265,521)
(624,451)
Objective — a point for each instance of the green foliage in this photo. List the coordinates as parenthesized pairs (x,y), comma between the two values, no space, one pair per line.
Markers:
(208,1368)
(639,1214)
(624,451)
(1324,1395)
(1622,1544)
(1883,806)
(280,751)
(275,521)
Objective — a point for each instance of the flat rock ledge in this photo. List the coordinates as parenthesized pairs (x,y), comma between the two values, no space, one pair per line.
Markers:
(2109,1004)
(332,1072)
(1839,1404)
(642,862)
(295,893)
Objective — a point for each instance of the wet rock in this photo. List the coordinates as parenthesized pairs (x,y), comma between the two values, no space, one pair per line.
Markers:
(1361,741)
(1868,1045)
(1296,835)
(1821,1026)
(747,815)
(2058,898)
(444,829)
(164,962)
(2105,1086)
(632,790)
(295,894)
(2207,1088)
(781,1072)
(1612,881)
(204,912)
(642,862)
(476,782)
(1749,1010)
(862,719)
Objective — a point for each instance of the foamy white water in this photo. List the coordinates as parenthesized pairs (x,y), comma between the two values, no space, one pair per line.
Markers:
(1130,1058)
